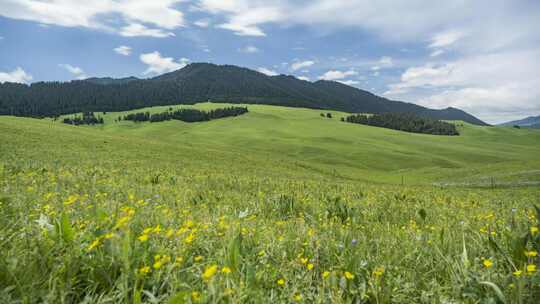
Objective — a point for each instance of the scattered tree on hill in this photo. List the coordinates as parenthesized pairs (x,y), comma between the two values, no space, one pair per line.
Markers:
(87,118)
(328,115)
(138,117)
(405,122)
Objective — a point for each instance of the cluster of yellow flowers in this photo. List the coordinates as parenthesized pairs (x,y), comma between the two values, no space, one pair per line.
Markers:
(160,260)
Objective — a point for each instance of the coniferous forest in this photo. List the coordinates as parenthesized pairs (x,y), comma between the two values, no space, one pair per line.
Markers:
(405,122)
(186,115)
(199,83)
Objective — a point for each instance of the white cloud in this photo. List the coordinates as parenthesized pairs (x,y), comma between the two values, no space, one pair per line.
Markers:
(76,71)
(202,23)
(302,64)
(127,16)
(250,49)
(489,86)
(159,65)
(348,82)
(17,75)
(137,29)
(337,75)
(123,50)
(244,17)
(305,78)
(445,39)
(384,62)
(392,20)
(267,72)
(436,53)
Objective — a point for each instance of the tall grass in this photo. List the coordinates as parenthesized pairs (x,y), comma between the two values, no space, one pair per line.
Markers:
(91,234)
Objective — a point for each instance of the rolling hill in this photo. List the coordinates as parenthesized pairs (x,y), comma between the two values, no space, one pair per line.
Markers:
(202,82)
(286,142)
(274,202)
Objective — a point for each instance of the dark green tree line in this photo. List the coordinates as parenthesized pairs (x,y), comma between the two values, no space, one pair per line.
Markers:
(87,118)
(186,115)
(405,122)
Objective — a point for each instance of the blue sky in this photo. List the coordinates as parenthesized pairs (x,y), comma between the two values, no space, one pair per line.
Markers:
(480,56)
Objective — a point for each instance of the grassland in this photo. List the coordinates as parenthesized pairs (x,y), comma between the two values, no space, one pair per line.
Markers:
(278,205)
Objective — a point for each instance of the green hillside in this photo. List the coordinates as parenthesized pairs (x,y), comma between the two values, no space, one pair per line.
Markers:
(278,205)
(270,138)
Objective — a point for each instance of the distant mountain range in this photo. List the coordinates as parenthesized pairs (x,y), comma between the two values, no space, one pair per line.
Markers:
(530,122)
(200,82)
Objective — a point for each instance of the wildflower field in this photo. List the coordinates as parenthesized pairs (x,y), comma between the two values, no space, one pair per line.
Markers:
(277,206)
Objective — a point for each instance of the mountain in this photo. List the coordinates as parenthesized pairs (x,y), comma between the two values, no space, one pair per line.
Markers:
(202,82)
(531,122)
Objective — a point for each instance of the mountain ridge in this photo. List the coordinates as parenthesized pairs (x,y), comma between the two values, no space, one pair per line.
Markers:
(198,82)
(531,121)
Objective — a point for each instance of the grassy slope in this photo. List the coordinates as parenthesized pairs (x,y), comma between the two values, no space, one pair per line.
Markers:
(308,143)
(302,143)
(277,165)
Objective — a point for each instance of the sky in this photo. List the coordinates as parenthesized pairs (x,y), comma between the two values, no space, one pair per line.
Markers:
(480,56)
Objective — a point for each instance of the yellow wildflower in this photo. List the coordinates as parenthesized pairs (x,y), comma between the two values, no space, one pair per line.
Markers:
(531,268)
(70,200)
(310,266)
(281,282)
(209,272)
(531,254)
(379,271)
(517,273)
(534,230)
(198,258)
(304,260)
(178,261)
(94,244)
(143,238)
(297,297)
(195,296)
(158,264)
(159,260)
(487,263)
(144,270)
(348,275)
(189,238)
(325,274)
(122,222)
(226,270)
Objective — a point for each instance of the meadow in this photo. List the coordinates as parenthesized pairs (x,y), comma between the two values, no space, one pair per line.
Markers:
(278,205)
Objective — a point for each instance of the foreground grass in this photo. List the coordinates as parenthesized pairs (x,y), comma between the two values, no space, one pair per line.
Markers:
(178,213)
(98,235)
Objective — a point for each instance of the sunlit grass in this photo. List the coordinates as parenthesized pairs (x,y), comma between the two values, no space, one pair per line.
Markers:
(90,215)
